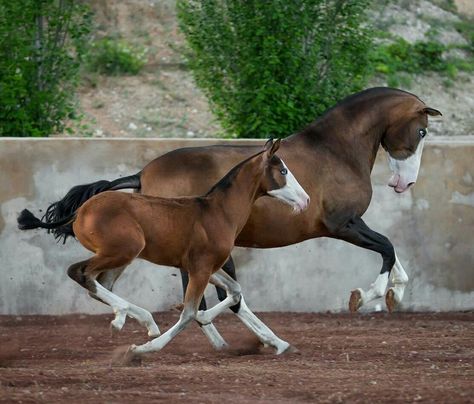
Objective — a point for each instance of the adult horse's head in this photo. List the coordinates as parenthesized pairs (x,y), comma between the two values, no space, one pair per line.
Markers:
(404,139)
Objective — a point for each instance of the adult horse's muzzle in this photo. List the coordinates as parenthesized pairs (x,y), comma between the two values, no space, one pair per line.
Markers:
(405,172)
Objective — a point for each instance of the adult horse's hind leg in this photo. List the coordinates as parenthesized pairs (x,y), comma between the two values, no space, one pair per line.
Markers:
(264,334)
(85,273)
(358,233)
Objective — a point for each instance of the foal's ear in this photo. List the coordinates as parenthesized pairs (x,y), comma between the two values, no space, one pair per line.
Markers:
(271,147)
(431,111)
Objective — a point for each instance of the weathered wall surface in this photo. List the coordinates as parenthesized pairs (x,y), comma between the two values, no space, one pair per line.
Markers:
(431,226)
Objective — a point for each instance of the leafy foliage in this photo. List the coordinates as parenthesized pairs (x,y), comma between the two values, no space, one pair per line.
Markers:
(399,59)
(115,57)
(42,43)
(268,68)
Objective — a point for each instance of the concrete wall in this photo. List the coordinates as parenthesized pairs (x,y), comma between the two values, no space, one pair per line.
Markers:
(431,226)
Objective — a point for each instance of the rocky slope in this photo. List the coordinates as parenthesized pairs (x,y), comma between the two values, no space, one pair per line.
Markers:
(163,101)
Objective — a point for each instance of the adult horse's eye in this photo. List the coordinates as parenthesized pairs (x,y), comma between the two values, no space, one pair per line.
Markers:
(283,171)
(422,132)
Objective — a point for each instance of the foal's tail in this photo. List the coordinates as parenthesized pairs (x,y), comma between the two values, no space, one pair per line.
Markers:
(60,215)
(27,221)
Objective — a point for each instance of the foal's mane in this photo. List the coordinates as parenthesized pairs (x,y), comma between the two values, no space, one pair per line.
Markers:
(226,181)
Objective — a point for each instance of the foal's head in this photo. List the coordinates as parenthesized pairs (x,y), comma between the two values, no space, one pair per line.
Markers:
(405,137)
(279,182)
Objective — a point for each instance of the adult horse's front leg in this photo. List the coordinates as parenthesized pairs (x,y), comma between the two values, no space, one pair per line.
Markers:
(356,232)
(399,280)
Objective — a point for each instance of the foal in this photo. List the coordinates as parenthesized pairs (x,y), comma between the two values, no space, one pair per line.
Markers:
(196,234)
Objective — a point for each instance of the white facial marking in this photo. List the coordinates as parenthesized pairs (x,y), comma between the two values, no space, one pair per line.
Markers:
(292,193)
(405,172)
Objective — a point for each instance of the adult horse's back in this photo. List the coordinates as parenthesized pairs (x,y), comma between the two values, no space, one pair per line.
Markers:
(332,159)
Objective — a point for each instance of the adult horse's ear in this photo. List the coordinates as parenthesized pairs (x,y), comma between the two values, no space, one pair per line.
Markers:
(431,111)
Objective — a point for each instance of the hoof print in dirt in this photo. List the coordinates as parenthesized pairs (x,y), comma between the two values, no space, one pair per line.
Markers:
(123,356)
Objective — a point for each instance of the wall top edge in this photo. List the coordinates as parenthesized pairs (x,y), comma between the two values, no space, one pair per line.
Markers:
(441,140)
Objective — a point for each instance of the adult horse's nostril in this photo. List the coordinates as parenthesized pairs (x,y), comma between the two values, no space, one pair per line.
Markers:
(410,184)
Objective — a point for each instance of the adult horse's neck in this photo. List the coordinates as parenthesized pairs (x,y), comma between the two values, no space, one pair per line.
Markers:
(353,129)
(235,194)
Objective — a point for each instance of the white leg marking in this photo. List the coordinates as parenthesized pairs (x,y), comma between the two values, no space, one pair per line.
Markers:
(158,343)
(377,289)
(122,308)
(263,333)
(213,336)
(233,295)
(399,280)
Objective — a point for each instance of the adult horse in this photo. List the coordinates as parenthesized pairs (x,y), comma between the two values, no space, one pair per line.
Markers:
(332,158)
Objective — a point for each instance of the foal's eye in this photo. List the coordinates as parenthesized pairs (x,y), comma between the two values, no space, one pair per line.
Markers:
(422,132)
(283,171)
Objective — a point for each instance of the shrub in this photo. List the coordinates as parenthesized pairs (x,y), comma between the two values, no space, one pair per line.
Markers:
(268,68)
(42,43)
(401,56)
(115,57)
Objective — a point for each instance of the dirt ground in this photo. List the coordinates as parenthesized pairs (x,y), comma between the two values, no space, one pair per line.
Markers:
(403,357)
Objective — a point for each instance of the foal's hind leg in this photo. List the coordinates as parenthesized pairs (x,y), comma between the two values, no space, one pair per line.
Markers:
(85,273)
(107,279)
(234,295)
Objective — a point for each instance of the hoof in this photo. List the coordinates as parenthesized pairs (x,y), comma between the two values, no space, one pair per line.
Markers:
(154,334)
(154,331)
(124,356)
(291,350)
(390,300)
(355,302)
(114,330)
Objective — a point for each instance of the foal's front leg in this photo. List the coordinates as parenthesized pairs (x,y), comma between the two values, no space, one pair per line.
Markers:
(234,296)
(197,284)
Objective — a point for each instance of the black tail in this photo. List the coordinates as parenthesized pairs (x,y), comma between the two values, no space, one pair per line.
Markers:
(26,221)
(68,206)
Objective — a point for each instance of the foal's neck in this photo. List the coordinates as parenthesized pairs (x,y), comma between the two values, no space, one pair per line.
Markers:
(234,195)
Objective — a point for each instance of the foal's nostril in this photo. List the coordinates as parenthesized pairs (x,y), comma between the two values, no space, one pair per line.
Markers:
(410,184)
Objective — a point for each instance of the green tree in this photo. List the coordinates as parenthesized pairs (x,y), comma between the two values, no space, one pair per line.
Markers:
(42,43)
(270,67)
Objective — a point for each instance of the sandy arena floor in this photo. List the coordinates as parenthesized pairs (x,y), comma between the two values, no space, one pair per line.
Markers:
(402,357)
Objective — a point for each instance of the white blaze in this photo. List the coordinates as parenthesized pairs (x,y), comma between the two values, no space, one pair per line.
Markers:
(292,193)
(405,172)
